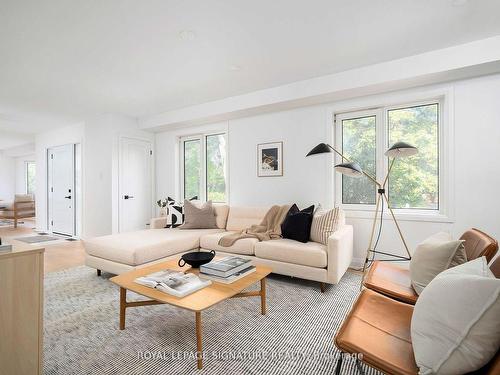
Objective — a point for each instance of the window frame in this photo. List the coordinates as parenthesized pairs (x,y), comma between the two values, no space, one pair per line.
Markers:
(202,138)
(440,159)
(26,169)
(443,98)
(339,146)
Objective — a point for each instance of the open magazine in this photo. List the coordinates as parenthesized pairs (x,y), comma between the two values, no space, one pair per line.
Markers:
(176,283)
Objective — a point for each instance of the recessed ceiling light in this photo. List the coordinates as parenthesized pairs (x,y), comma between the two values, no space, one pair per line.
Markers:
(234,68)
(458,3)
(187,35)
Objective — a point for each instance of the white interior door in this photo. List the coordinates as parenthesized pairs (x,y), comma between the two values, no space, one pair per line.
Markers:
(61,188)
(135,185)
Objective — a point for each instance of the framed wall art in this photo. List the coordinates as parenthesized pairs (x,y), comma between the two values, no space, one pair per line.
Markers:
(270,159)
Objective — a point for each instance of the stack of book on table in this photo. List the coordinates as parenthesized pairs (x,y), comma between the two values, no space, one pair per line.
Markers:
(227,270)
(173,282)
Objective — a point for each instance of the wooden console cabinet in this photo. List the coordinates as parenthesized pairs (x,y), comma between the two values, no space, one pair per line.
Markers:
(21,311)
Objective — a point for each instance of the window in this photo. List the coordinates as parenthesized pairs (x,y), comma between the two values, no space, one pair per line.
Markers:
(216,167)
(414,183)
(359,142)
(204,167)
(365,136)
(192,168)
(30,177)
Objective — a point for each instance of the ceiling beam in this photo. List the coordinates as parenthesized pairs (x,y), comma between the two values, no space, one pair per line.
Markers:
(453,63)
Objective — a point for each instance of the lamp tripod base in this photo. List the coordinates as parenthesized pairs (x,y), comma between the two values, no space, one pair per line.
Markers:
(372,251)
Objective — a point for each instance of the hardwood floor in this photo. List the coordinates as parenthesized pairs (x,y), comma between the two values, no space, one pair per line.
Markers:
(58,256)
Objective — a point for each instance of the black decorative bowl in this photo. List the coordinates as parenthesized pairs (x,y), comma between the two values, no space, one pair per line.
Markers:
(196,258)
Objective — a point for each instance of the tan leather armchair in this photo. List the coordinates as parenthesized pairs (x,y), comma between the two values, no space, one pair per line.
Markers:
(394,281)
(23,207)
(378,327)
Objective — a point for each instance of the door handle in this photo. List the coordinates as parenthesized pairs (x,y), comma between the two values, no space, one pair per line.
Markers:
(68,197)
(128,196)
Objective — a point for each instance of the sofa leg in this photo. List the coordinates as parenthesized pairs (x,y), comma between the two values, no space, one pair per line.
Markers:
(98,272)
(322,287)
(15,223)
(338,368)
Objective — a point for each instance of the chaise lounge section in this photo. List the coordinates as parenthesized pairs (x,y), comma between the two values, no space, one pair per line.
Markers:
(122,252)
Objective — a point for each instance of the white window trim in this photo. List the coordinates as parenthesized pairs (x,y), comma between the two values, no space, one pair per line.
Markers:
(379,165)
(203,159)
(382,104)
(26,162)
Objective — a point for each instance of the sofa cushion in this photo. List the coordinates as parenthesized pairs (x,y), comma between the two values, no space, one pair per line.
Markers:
(310,254)
(139,247)
(200,216)
(434,255)
(221,212)
(297,224)
(455,327)
(243,246)
(325,223)
(244,217)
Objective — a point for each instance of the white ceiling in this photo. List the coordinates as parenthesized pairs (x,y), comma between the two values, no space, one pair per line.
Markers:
(12,139)
(64,60)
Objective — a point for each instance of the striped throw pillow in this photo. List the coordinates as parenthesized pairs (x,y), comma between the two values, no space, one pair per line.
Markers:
(325,223)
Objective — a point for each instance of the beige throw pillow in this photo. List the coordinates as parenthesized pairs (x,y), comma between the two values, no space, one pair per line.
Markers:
(455,326)
(325,223)
(436,254)
(198,216)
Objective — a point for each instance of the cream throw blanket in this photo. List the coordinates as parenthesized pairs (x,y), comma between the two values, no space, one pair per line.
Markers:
(268,229)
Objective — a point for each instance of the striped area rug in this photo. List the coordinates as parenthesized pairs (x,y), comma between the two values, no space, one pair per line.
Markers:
(295,337)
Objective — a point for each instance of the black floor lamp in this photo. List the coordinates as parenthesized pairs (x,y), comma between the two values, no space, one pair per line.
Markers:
(353,169)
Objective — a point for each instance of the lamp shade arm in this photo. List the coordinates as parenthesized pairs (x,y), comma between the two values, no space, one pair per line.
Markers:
(388,172)
(339,154)
(349,161)
(373,179)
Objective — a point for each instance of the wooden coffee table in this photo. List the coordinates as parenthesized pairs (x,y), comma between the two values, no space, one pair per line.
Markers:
(197,301)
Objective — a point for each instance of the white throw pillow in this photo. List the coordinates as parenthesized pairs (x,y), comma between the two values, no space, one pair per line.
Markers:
(434,255)
(175,212)
(325,223)
(455,327)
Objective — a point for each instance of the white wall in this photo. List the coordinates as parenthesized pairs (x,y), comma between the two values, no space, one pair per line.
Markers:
(21,172)
(477,154)
(7,177)
(44,141)
(167,158)
(475,161)
(304,179)
(98,138)
(101,200)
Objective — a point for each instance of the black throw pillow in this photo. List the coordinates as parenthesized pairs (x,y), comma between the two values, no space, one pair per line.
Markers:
(297,224)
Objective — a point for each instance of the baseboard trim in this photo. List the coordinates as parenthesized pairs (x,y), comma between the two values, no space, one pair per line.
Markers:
(357,262)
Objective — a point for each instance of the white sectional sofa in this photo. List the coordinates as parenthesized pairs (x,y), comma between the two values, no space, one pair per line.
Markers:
(122,252)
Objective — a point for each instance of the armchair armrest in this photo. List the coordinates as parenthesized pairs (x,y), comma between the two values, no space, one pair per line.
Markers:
(158,222)
(340,249)
(24,207)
